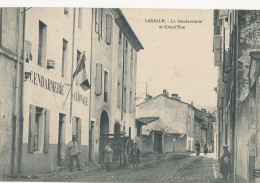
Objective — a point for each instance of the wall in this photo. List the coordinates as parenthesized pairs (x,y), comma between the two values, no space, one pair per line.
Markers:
(59,27)
(241,162)
(10,109)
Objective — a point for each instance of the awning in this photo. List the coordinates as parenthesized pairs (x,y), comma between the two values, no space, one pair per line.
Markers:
(146,120)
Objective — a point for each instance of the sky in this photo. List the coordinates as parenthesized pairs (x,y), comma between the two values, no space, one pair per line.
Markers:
(178,60)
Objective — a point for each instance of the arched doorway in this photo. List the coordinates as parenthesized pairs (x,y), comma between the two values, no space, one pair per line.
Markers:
(104,123)
(104,129)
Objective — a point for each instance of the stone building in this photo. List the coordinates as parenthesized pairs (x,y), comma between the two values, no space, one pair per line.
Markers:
(113,77)
(236,49)
(11,81)
(55,106)
(167,124)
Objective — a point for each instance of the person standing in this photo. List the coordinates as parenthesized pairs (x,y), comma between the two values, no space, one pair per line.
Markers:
(225,164)
(205,149)
(74,153)
(197,148)
(135,156)
(108,157)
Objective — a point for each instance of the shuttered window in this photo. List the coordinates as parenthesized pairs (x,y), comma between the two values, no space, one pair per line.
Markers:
(101,14)
(106,86)
(39,129)
(96,19)
(108,28)
(120,49)
(98,79)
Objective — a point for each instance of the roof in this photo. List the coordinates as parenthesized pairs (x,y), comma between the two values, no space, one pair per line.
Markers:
(170,98)
(146,120)
(126,29)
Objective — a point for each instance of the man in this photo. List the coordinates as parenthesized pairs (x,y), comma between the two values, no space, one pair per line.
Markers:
(73,152)
(108,157)
(135,156)
(225,164)
(197,148)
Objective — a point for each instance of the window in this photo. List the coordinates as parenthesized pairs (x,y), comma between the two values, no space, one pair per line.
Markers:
(125,57)
(39,127)
(120,49)
(42,44)
(96,19)
(131,64)
(130,102)
(139,130)
(106,86)
(108,28)
(80,18)
(98,83)
(64,58)
(118,94)
(100,32)
(130,132)
(76,130)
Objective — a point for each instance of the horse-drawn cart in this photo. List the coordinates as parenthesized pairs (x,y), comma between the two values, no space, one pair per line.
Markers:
(121,145)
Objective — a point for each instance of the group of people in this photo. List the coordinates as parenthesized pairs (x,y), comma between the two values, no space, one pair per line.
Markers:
(225,160)
(197,148)
(107,155)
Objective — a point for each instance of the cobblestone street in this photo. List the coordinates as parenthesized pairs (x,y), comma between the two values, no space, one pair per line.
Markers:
(177,168)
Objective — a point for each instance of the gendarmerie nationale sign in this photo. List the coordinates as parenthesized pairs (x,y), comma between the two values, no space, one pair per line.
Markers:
(46,83)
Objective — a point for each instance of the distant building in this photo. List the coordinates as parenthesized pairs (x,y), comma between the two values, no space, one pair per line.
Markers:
(166,124)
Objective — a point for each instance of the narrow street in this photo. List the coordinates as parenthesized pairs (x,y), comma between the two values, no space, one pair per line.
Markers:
(177,168)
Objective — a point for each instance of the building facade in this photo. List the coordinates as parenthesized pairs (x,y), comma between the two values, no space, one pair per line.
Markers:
(236,49)
(11,81)
(176,127)
(55,107)
(113,77)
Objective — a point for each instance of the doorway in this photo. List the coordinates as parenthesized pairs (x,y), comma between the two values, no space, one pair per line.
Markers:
(157,142)
(91,142)
(104,129)
(61,138)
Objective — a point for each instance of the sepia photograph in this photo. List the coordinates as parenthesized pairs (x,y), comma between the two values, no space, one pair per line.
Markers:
(129,95)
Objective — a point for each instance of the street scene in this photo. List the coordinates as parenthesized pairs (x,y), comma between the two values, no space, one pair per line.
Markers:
(129,95)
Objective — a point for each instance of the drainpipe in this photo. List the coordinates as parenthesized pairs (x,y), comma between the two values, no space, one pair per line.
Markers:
(20,145)
(72,63)
(15,95)
(90,91)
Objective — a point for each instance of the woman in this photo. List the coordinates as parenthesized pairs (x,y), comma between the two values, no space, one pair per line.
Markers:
(135,153)
(108,157)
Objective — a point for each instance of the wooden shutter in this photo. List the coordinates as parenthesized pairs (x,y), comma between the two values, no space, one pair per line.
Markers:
(79,134)
(217,50)
(108,28)
(32,113)
(98,79)
(96,19)
(46,131)
(100,17)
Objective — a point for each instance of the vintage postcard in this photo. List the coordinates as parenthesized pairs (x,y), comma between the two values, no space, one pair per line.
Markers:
(129,95)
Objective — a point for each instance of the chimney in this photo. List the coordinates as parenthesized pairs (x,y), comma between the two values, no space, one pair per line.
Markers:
(165,92)
(203,110)
(175,96)
(191,103)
